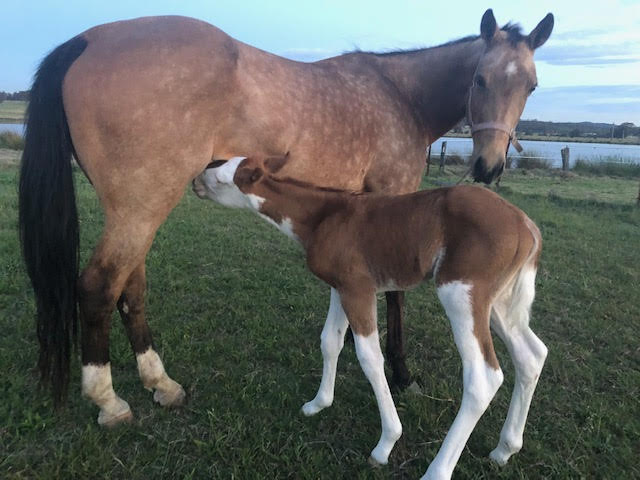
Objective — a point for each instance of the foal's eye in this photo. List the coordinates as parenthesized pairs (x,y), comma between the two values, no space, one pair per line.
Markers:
(532,89)
(480,81)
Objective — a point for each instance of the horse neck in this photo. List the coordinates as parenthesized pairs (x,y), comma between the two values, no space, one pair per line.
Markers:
(303,205)
(435,81)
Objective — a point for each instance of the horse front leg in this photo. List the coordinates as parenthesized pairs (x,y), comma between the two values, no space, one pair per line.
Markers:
(395,340)
(150,367)
(331,343)
(361,312)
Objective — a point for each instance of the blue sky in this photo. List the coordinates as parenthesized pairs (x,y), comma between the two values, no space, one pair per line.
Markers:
(589,70)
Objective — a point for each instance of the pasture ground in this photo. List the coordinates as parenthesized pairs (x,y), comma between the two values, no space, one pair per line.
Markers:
(12,111)
(237,319)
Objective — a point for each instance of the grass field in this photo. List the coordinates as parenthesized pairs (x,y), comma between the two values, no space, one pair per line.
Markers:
(12,111)
(237,319)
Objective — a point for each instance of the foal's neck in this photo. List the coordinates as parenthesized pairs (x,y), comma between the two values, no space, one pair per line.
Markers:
(435,81)
(302,204)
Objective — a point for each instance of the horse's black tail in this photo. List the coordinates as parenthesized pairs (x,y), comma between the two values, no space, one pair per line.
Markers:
(48,218)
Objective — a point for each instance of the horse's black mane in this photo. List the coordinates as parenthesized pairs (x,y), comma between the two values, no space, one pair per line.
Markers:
(513,31)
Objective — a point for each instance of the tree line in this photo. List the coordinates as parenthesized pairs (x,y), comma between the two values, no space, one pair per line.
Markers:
(22,95)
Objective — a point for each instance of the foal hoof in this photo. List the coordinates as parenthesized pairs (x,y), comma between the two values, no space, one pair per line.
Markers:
(499,456)
(375,463)
(170,398)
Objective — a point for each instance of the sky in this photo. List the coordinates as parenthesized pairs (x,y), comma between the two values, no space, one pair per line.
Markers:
(589,70)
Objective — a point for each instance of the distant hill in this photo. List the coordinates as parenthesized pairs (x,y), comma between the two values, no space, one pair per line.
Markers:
(580,129)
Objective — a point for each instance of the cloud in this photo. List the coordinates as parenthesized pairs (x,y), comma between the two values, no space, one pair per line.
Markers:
(596,46)
(607,104)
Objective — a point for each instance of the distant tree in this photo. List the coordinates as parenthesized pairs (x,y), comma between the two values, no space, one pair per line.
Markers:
(575,133)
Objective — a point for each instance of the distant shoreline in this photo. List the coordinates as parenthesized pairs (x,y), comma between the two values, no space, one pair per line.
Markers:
(550,138)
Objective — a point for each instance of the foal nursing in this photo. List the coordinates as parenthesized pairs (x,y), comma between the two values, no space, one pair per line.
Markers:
(481,251)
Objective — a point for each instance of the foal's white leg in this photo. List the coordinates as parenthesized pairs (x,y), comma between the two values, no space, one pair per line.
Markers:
(528,354)
(331,342)
(167,392)
(480,380)
(97,385)
(372,363)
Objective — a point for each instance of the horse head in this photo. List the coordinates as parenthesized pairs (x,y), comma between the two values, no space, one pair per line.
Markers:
(504,79)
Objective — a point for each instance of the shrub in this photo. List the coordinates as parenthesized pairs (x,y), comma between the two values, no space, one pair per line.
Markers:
(609,166)
(11,140)
(529,161)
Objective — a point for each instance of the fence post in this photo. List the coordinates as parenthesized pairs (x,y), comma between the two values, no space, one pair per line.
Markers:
(443,152)
(428,159)
(565,158)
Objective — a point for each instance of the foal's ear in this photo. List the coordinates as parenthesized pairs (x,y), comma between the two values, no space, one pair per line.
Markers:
(215,164)
(247,175)
(541,33)
(274,164)
(488,26)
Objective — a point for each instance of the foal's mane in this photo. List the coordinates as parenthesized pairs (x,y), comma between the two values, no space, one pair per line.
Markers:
(513,31)
(311,186)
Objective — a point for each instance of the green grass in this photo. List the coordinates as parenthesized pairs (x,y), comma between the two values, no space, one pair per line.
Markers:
(12,111)
(237,319)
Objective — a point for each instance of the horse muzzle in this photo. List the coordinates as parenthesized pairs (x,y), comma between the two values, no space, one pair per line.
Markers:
(481,173)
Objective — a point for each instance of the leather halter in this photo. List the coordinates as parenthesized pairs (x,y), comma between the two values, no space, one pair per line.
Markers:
(503,127)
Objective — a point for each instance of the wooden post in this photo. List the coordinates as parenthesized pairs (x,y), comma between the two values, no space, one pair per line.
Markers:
(565,158)
(638,196)
(443,152)
(428,160)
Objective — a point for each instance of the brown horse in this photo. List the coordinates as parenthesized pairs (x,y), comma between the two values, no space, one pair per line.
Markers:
(144,105)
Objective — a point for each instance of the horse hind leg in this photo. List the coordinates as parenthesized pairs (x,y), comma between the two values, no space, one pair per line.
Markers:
(152,373)
(123,247)
(395,341)
(468,312)
(510,320)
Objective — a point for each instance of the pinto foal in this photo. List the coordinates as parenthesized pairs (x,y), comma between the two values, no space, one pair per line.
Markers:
(481,250)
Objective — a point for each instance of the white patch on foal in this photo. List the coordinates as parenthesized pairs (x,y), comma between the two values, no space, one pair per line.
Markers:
(480,380)
(331,343)
(154,377)
(97,385)
(511,68)
(372,363)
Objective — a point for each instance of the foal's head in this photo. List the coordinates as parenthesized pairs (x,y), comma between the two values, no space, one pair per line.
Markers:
(234,183)
(504,79)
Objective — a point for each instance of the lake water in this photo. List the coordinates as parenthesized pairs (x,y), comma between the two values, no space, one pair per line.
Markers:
(549,150)
(12,127)
(593,152)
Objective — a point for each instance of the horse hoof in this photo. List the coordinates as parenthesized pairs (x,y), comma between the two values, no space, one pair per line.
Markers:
(111,421)
(172,398)
(375,463)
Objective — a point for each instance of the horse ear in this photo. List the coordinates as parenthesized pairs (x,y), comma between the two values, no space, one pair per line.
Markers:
(274,164)
(541,33)
(488,26)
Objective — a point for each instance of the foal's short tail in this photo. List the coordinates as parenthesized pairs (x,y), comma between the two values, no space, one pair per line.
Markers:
(523,291)
(48,219)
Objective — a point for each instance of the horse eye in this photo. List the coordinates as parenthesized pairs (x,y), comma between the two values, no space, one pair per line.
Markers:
(532,89)
(480,81)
